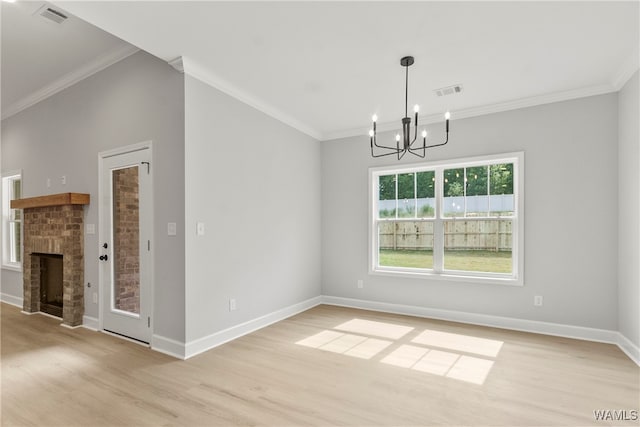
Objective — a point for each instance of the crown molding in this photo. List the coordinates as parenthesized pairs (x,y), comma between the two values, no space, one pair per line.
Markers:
(177,64)
(628,69)
(70,79)
(482,110)
(196,71)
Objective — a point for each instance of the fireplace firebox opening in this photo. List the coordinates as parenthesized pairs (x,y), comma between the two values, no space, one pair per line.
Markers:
(51,279)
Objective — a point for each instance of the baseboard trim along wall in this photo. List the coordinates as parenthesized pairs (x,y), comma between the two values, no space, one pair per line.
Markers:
(90,323)
(184,351)
(206,343)
(10,299)
(168,346)
(534,326)
(630,349)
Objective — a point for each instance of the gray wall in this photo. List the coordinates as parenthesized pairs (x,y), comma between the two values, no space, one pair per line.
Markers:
(138,99)
(255,183)
(574,142)
(629,211)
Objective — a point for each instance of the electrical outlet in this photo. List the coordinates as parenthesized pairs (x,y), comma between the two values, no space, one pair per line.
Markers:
(63,180)
(537,300)
(90,229)
(232,304)
(171,229)
(95,297)
(200,228)
(360,284)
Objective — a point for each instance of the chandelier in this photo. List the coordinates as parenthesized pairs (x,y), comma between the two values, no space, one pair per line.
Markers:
(407,143)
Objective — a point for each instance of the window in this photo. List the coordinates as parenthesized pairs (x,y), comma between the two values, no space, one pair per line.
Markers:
(459,219)
(11,222)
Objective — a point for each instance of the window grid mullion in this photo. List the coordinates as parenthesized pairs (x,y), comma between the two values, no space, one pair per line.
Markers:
(438,228)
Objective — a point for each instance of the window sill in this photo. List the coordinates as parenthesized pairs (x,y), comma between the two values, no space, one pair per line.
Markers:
(449,277)
(16,268)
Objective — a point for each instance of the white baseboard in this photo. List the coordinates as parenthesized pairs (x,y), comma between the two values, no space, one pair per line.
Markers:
(168,346)
(184,351)
(534,326)
(206,343)
(69,327)
(629,348)
(90,323)
(10,299)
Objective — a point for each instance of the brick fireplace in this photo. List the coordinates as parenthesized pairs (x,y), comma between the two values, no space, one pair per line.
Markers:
(54,225)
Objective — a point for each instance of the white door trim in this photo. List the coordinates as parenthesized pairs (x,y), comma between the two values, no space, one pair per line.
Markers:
(145,145)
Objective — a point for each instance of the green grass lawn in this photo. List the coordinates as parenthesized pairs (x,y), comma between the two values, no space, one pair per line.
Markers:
(495,262)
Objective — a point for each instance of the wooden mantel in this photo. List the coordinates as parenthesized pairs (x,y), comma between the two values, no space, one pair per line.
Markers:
(51,200)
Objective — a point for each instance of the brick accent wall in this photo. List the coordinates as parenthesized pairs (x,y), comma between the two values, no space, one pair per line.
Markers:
(55,230)
(126,238)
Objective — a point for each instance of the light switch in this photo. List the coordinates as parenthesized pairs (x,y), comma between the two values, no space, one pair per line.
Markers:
(171,228)
(63,180)
(200,229)
(90,229)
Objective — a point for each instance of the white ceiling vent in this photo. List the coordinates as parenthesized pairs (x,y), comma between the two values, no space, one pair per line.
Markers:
(50,13)
(449,90)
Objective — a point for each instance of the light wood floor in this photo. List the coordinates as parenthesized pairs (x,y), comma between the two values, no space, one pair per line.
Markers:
(55,376)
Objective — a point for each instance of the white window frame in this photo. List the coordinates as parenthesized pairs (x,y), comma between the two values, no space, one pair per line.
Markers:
(7,219)
(516,278)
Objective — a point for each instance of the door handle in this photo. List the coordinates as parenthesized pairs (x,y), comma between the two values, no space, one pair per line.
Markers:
(103,257)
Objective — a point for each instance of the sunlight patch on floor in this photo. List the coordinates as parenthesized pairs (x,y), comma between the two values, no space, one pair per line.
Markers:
(436,362)
(343,344)
(427,356)
(457,342)
(368,348)
(351,345)
(471,369)
(320,339)
(405,356)
(376,329)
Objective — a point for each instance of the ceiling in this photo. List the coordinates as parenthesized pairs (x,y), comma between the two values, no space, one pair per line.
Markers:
(326,67)
(40,57)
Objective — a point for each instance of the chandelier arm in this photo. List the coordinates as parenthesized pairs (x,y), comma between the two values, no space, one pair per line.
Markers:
(382,155)
(438,145)
(394,151)
(384,146)
(374,140)
(414,151)
(422,156)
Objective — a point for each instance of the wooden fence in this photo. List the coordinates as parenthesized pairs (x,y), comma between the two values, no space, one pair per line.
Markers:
(491,235)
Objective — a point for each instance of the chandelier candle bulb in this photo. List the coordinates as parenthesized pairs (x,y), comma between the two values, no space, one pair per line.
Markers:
(416,108)
(424,134)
